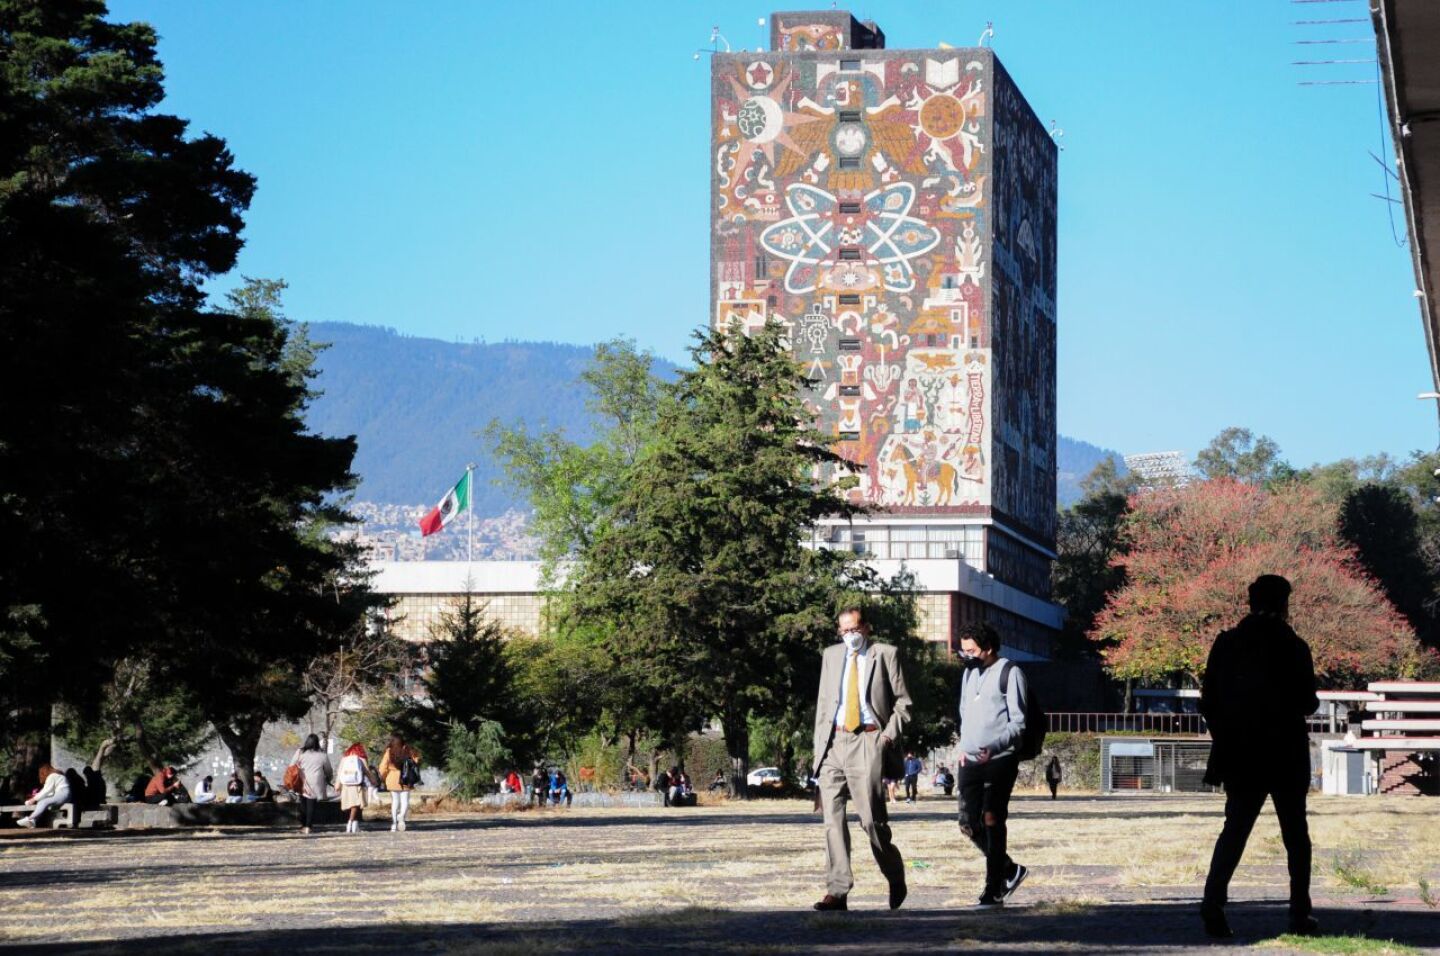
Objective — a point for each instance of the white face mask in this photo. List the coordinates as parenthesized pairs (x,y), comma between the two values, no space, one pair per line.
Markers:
(854,640)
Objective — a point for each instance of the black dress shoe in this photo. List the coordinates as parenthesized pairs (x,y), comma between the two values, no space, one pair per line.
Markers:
(1304,926)
(831,902)
(1216,926)
(898,892)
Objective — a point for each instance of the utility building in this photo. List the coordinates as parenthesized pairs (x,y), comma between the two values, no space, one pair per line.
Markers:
(894,210)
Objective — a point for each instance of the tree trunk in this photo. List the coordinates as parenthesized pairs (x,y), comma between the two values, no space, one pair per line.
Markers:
(143,745)
(28,748)
(97,763)
(242,742)
(737,744)
(1129,695)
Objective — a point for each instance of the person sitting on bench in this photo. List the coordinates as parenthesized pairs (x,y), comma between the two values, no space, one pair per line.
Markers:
(54,792)
(164,788)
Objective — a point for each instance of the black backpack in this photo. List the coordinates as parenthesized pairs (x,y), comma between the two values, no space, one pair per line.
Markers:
(410,773)
(1032,740)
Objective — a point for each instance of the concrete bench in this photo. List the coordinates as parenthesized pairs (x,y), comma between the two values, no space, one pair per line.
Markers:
(61,817)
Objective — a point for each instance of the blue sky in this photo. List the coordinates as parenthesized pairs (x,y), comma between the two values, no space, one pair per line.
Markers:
(539,171)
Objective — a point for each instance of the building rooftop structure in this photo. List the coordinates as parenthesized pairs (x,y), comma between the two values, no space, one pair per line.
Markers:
(1407,39)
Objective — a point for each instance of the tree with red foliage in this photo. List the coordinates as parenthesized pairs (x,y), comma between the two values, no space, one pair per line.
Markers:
(1190,554)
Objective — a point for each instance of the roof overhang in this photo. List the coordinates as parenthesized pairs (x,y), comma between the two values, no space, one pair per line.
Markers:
(1407,35)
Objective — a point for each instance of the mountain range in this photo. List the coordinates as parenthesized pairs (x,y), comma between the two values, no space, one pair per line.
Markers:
(417,407)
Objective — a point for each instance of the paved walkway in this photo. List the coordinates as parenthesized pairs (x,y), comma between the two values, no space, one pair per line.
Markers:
(1109,875)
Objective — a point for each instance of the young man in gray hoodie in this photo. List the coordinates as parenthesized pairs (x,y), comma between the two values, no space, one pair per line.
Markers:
(992,723)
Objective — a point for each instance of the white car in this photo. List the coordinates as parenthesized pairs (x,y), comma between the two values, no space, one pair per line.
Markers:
(766,777)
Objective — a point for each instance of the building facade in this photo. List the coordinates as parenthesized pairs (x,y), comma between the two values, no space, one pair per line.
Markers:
(895,212)
(424,591)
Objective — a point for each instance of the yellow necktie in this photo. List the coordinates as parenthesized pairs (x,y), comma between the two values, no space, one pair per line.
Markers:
(852,695)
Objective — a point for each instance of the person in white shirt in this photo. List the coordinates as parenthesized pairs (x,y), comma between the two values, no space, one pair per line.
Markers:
(54,792)
(204,791)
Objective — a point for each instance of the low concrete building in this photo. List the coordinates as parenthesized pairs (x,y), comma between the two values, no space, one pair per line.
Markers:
(951,593)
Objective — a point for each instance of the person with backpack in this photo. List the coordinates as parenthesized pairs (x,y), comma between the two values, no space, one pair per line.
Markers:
(400,769)
(354,778)
(993,740)
(315,777)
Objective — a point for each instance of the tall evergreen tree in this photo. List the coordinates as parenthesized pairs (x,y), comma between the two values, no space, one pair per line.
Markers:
(701,571)
(110,216)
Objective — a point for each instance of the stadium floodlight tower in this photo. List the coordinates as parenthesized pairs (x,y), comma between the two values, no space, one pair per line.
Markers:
(1160,469)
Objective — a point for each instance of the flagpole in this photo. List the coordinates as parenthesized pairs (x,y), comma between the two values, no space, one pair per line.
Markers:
(470,503)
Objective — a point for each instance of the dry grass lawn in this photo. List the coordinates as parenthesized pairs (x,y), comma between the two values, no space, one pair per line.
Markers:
(561,880)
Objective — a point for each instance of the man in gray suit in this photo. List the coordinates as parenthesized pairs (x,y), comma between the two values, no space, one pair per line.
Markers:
(860,713)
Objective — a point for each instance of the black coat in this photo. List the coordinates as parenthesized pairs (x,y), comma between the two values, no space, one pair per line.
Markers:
(1258,690)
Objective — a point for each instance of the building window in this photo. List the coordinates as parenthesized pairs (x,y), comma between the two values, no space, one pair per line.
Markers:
(762,266)
(849,116)
(850,436)
(849,208)
(850,253)
(850,66)
(848,390)
(849,298)
(849,345)
(849,162)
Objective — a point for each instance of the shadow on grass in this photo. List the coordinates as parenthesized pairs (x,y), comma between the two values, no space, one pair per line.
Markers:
(1074,927)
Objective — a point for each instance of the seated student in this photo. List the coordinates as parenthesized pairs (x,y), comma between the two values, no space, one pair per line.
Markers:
(205,790)
(539,786)
(512,783)
(719,783)
(235,788)
(560,788)
(164,788)
(94,788)
(54,791)
(944,780)
(260,790)
(136,793)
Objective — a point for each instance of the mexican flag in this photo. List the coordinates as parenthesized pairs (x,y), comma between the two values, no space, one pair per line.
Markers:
(456,500)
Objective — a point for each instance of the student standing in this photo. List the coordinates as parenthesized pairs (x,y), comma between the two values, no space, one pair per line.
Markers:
(400,769)
(992,725)
(1258,690)
(316,772)
(354,775)
(914,766)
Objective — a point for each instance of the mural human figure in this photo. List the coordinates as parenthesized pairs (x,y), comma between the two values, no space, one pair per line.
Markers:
(1258,690)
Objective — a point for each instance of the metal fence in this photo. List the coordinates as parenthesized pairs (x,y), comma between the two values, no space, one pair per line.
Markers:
(1153,766)
(1082,723)
(1191,725)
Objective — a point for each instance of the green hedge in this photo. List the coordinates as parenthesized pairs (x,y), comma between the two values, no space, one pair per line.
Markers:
(1079,762)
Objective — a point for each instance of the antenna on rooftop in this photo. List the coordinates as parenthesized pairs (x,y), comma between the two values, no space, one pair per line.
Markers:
(716,38)
(1055,133)
(989,33)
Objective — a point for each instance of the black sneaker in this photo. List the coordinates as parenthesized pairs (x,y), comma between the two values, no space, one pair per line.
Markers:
(1013,883)
(990,901)
(1216,926)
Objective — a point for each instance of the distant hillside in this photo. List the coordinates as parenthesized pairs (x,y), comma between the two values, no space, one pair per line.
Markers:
(416,405)
(1074,459)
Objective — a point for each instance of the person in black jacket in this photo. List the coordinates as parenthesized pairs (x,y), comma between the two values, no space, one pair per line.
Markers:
(1258,690)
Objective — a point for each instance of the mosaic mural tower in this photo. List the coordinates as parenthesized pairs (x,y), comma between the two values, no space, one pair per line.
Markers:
(895,211)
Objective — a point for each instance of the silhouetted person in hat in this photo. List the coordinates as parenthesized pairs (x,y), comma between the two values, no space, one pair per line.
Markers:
(1259,688)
